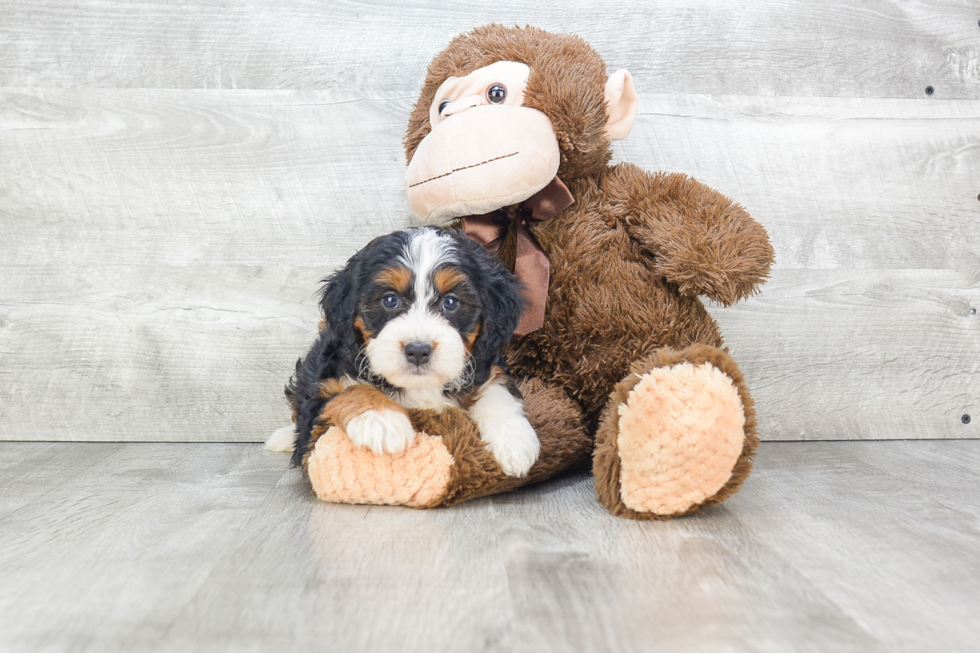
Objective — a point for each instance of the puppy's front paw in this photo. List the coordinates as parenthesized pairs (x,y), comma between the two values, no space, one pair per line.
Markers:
(381,431)
(514,444)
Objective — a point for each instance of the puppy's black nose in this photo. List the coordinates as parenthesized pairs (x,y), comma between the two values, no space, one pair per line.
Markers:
(418,353)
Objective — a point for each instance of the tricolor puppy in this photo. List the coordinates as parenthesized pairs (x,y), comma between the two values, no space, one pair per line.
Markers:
(416,319)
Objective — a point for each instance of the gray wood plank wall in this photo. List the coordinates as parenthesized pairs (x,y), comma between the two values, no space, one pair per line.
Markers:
(175,178)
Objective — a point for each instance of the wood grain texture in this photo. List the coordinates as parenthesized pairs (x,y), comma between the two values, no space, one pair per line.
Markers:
(844,546)
(140,528)
(162,249)
(259,177)
(181,177)
(863,354)
(839,183)
(872,48)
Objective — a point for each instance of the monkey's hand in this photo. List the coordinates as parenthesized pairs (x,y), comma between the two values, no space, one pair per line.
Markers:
(701,240)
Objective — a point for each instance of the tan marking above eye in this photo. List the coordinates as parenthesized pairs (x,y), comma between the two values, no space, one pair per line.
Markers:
(445,279)
(396,278)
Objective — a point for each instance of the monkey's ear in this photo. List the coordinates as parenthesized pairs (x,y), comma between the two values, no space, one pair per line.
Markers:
(621,105)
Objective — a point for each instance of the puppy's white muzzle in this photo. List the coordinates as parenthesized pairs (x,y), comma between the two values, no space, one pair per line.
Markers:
(418,350)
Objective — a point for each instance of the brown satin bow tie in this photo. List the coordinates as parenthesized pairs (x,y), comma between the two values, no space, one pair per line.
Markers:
(531,264)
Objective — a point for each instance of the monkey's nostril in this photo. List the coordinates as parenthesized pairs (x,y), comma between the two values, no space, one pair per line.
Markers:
(418,353)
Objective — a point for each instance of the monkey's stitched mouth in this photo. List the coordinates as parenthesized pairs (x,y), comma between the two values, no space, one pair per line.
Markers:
(475,165)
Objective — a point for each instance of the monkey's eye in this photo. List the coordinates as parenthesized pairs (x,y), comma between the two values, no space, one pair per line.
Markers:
(450,304)
(497,93)
(389,300)
(442,106)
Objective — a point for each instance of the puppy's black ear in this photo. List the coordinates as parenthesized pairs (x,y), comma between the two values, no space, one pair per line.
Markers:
(338,302)
(500,294)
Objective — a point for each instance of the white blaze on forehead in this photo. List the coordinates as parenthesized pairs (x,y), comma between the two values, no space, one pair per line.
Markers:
(427,250)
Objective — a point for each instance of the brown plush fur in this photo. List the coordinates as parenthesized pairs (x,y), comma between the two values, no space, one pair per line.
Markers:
(625,283)
(629,260)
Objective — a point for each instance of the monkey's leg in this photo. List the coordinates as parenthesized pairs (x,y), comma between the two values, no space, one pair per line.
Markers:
(447,463)
(677,435)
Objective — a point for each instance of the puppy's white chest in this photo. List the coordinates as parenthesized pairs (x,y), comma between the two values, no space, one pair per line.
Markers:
(432,398)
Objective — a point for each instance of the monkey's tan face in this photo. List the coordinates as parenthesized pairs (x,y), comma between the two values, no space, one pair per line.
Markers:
(485,150)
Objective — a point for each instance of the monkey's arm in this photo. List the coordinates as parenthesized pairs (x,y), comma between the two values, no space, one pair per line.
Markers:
(701,240)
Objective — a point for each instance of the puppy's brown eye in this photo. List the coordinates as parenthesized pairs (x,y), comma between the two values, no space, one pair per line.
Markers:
(450,304)
(390,300)
(497,93)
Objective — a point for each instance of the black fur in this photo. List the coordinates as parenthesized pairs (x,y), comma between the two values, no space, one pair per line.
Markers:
(501,301)
(491,296)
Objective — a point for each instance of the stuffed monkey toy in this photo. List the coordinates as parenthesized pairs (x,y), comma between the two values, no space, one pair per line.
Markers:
(617,359)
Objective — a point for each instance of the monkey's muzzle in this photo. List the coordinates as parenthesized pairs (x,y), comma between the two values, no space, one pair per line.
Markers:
(480,160)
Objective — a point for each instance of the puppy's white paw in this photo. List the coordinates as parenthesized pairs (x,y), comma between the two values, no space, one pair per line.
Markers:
(514,444)
(283,439)
(381,431)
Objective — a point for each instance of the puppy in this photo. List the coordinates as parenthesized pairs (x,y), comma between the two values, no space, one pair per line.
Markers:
(416,319)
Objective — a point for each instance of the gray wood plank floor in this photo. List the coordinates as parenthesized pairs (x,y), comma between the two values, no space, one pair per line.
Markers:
(831,546)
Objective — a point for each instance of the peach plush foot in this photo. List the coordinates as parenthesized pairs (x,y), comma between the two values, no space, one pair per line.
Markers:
(677,435)
(680,434)
(342,472)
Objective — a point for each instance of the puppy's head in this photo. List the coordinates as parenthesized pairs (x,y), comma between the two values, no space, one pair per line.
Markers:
(424,307)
